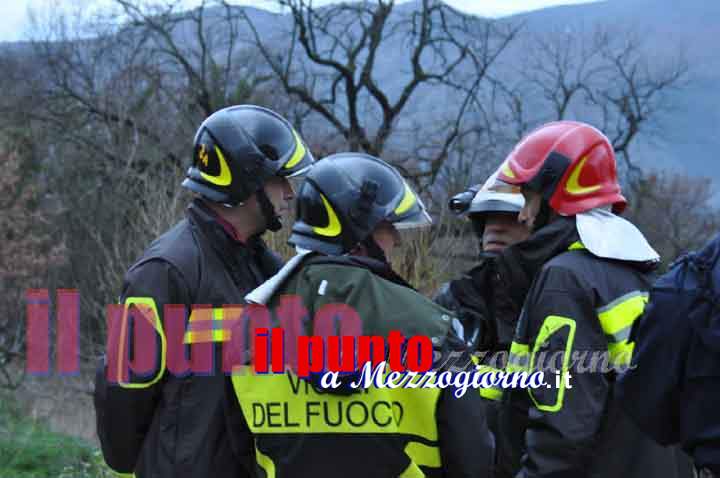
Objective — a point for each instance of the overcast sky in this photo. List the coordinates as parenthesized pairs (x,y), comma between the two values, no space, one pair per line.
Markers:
(15,20)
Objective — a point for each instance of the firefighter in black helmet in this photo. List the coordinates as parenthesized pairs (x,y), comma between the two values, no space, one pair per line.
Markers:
(349,209)
(171,423)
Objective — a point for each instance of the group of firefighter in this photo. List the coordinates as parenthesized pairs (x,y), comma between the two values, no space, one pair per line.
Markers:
(560,274)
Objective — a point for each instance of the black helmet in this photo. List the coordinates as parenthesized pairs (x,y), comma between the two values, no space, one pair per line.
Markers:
(238,148)
(343,199)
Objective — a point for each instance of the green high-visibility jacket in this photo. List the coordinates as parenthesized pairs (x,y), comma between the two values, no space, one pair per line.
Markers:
(300,430)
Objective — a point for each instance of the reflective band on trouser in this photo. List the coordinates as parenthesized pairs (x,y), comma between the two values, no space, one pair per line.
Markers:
(211,325)
(286,404)
(616,319)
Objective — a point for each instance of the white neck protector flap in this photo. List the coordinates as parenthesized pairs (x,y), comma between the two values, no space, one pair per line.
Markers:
(612,237)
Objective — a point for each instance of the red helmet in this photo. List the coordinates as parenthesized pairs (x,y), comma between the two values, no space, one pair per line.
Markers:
(571,164)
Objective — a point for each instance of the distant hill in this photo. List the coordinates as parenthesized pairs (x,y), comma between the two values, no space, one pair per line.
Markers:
(690,139)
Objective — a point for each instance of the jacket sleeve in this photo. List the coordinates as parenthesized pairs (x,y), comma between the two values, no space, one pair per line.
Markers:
(653,399)
(467,447)
(124,411)
(465,296)
(564,418)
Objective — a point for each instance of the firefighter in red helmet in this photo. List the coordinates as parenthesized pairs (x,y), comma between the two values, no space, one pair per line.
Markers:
(589,275)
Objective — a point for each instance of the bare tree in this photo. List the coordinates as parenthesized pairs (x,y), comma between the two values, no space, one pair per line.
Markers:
(603,77)
(108,107)
(202,47)
(689,218)
(29,251)
(328,59)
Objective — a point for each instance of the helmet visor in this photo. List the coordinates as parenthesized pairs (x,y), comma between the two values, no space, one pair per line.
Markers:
(422,219)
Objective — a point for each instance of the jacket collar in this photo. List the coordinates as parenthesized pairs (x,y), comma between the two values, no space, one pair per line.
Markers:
(379,268)
(519,263)
(220,232)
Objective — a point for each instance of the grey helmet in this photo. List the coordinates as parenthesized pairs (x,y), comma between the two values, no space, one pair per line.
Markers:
(493,196)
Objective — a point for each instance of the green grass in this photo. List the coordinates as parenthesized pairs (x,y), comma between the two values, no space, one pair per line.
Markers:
(28,449)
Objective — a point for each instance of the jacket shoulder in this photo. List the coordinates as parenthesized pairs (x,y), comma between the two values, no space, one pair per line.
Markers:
(576,266)
(591,268)
(381,304)
(178,247)
(340,280)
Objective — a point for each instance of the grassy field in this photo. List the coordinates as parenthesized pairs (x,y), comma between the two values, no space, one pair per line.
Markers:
(28,449)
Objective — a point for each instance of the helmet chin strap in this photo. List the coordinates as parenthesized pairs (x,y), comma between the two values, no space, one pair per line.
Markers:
(374,251)
(272,219)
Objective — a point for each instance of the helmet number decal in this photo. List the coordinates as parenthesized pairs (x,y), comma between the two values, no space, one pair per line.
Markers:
(203,155)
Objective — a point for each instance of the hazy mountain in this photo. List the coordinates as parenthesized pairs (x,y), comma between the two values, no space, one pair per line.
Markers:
(690,138)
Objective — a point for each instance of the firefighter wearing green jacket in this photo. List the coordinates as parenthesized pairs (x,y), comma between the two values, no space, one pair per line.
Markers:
(349,210)
(590,288)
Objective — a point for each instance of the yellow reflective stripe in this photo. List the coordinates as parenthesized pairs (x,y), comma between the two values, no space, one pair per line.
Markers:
(299,153)
(205,336)
(407,201)
(616,319)
(621,353)
(519,358)
(551,325)
(495,394)
(284,403)
(622,312)
(265,462)
(147,302)
(334,227)
(219,331)
(507,171)
(224,178)
(492,393)
(412,471)
(576,246)
(573,185)
(424,455)
(123,475)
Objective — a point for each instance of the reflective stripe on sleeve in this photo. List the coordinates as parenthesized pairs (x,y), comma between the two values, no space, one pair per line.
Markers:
(616,320)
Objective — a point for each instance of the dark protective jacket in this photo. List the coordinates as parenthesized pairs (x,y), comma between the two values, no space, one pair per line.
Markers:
(172,425)
(577,319)
(672,389)
(481,300)
(488,300)
(301,430)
